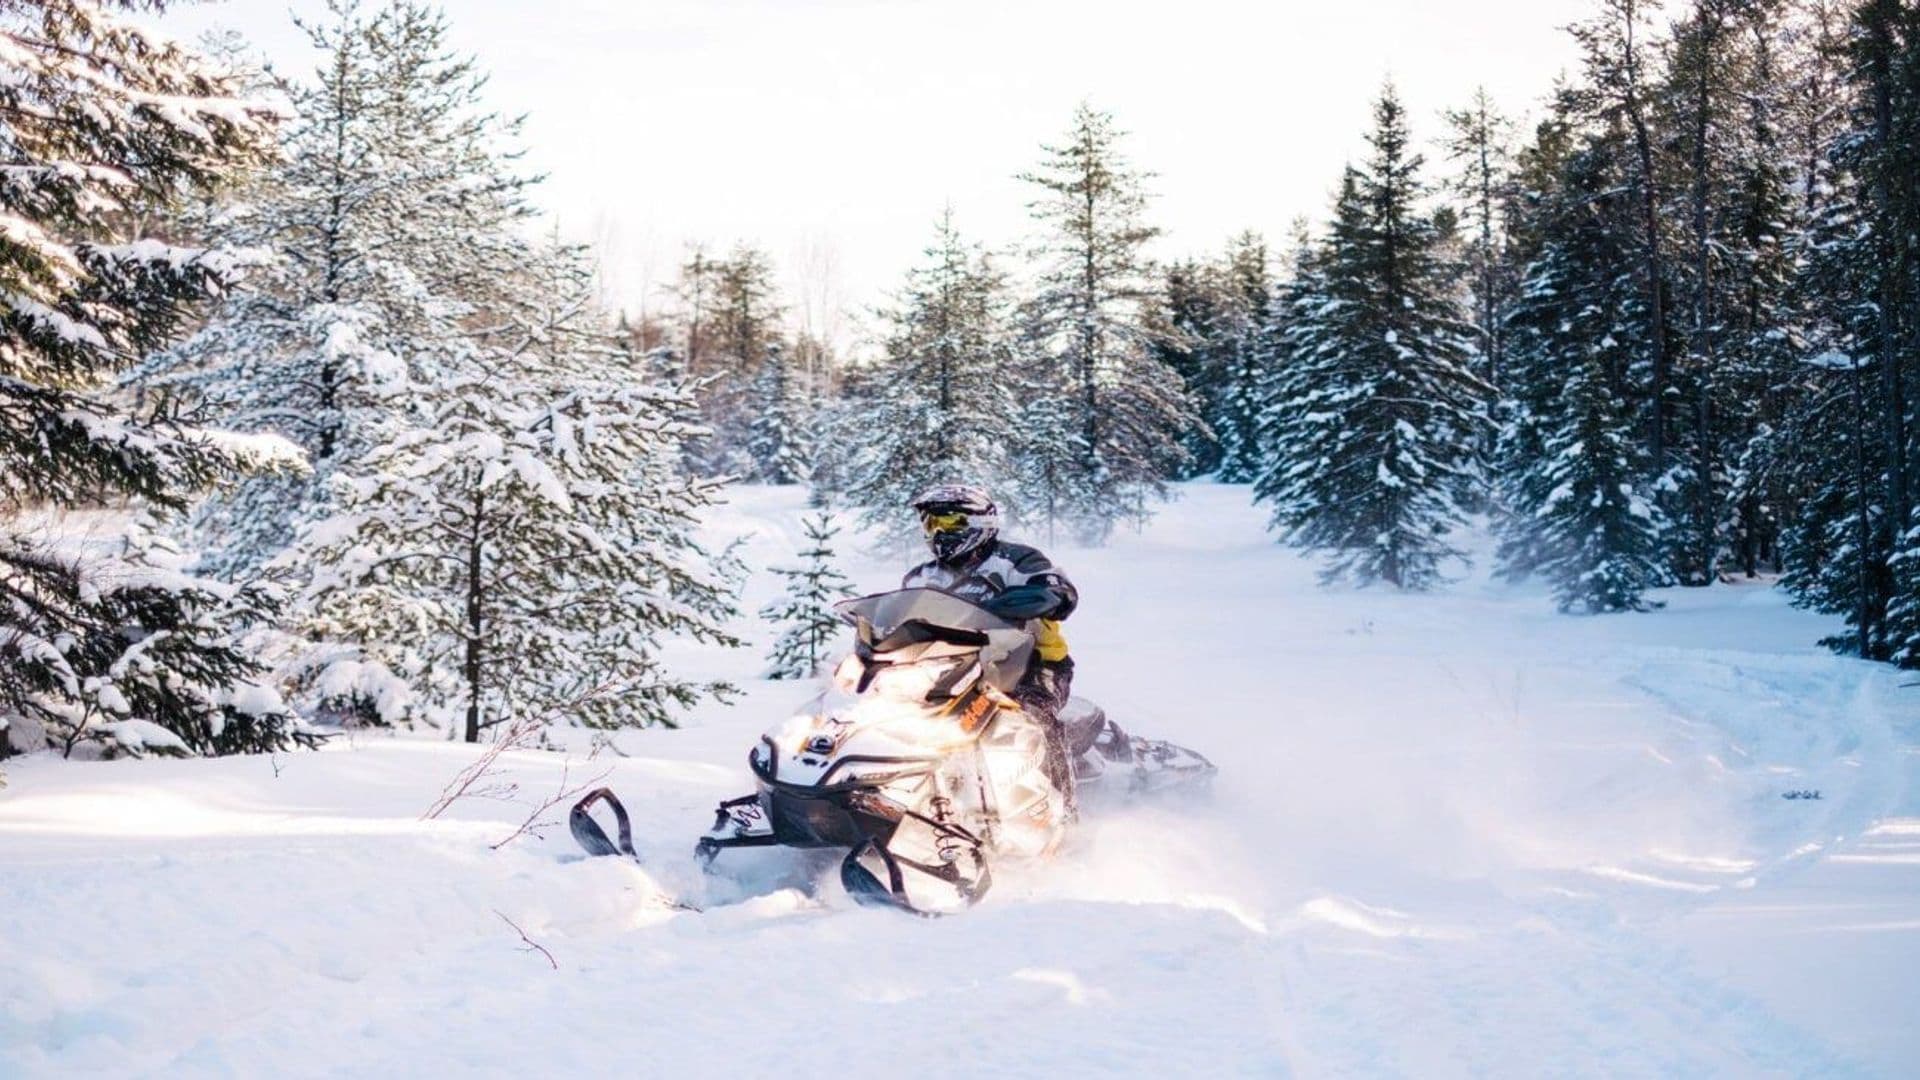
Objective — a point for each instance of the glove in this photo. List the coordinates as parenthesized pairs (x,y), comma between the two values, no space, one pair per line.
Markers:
(1024,602)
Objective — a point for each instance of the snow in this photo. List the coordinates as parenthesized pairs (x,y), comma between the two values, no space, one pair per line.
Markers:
(1454,833)
(144,736)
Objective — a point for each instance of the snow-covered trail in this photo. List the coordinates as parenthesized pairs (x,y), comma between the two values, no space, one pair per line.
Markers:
(1453,834)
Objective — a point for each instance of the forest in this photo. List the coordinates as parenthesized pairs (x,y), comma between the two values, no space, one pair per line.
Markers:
(376,449)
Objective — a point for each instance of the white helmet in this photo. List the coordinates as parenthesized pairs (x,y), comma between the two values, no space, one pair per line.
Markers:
(958,519)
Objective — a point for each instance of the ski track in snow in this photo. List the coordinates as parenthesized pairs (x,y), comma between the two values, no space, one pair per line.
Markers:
(1454,834)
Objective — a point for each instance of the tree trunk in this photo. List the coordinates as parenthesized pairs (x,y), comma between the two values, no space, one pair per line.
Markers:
(474,623)
(1863,521)
(1089,331)
(1893,258)
(1652,269)
(1703,315)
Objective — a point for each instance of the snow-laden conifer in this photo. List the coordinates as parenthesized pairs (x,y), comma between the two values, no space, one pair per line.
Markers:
(781,434)
(524,551)
(1376,420)
(804,612)
(108,128)
(1087,318)
(942,404)
(388,223)
(1572,472)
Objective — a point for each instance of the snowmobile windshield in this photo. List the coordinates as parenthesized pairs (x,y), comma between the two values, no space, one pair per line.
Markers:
(888,621)
(888,625)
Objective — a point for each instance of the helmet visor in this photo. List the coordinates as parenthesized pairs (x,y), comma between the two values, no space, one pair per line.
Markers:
(939,521)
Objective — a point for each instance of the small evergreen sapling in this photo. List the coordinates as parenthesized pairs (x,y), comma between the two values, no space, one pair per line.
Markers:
(806,609)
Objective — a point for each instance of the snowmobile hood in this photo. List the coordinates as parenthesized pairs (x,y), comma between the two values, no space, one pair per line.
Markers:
(886,623)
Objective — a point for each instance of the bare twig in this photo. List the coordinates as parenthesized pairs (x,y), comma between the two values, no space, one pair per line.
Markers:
(522,732)
(532,945)
(564,794)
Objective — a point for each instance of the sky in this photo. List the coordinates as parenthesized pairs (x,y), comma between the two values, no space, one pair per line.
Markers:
(833,132)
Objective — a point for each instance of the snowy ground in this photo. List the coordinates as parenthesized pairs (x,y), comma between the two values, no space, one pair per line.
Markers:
(1453,834)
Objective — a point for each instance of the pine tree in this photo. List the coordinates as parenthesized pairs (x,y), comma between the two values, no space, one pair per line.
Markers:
(1087,317)
(1851,550)
(729,318)
(1602,543)
(1571,472)
(1697,104)
(1189,348)
(1763,338)
(805,610)
(1620,62)
(1246,344)
(941,402)
(389,220)
(781,440)
(1381,416)
(1478,139)
(522,553)
(109,126)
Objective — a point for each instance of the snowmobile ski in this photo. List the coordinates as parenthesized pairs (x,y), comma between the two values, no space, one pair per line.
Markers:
(588,833)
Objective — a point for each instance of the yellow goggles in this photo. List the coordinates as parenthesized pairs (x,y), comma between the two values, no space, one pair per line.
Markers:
(951,521)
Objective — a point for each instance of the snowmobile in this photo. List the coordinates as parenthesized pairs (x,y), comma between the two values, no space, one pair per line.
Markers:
(926,769)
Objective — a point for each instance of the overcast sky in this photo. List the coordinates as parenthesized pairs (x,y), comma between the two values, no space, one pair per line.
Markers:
(832,132)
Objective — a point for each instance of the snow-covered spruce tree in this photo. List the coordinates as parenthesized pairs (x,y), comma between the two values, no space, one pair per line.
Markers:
(727,318)
(1706,105)
(1478,141)
(805,611)
(1246,338)
(1087,318)
(1219,317)
(781,432)
(1577,514)
(1379,416)
(1050,452)
(523,551)
(109,126)
(387,222)
(1602,545)
(1850,552)
(1763,337)
(1620,59)
(942,407)
(1189,307)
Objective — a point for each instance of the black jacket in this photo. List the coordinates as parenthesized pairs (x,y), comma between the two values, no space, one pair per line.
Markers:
(1013,581)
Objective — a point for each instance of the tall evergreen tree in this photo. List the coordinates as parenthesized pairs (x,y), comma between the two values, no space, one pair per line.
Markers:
(1189,347)
(523,551)
(1763,336)
(781,431)
(1382,413)
(1698,103)
(729,315)
(1087,317)
(1851,549)
(1620,66)
(390,219)
(1578,512)
(942,406)
(109,126)
(1246,347)
(1478,139)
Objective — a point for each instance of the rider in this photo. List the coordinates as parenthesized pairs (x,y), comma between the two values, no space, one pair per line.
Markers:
(1015,582)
